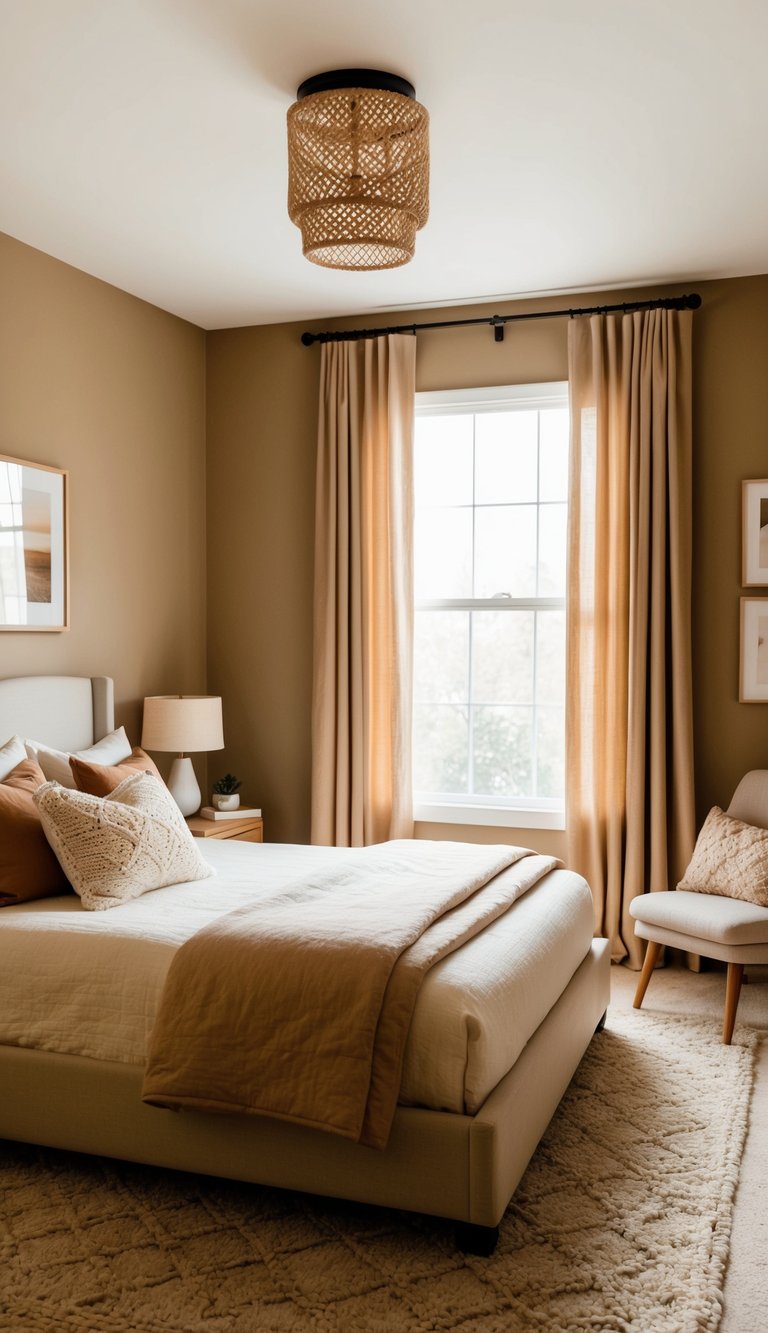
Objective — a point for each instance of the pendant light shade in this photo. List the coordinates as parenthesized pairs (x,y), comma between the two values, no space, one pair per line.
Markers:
(358,169)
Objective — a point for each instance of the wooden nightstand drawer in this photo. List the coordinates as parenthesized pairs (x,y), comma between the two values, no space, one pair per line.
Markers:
(242,830)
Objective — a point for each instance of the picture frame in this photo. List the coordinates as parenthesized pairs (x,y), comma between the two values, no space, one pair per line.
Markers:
(754,533)
(34,546)
(753,671)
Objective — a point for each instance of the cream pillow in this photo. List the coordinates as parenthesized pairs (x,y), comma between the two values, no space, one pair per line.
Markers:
(730,858)
(114,848)
(111,749)
(12,754)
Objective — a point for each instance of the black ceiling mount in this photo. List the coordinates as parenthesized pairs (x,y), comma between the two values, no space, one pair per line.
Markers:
(355,78)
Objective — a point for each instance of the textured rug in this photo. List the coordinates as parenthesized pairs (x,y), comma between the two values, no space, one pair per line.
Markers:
(621,1223)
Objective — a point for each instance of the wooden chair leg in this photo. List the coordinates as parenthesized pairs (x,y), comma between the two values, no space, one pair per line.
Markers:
(651,959)
(732,992)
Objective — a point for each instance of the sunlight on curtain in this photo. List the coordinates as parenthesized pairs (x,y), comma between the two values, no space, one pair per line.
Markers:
(363,625)
(629,802)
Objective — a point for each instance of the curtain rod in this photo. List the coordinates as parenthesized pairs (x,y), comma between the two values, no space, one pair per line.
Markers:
(497,322)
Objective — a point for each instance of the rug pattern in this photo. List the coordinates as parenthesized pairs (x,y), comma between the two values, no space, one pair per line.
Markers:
(621,1223)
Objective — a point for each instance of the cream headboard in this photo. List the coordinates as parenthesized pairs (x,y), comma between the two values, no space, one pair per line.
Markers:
(66,712)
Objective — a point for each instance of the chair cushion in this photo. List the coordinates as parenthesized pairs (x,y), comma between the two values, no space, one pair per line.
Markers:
(703,916)
(730,858)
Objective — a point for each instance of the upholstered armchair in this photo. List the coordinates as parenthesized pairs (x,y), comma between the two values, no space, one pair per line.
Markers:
(729,929)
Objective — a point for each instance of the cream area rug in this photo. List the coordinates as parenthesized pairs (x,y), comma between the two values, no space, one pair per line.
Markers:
(621,1223)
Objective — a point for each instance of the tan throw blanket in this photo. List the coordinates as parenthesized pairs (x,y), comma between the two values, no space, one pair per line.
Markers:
(299,1006)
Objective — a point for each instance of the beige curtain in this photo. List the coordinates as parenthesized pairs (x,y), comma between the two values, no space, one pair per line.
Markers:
(629,781)
(363,627)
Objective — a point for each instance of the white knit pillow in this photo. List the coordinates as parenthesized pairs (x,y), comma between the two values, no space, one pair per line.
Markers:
(114,848)
(730,858)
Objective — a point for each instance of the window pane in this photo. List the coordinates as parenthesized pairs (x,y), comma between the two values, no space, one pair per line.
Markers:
(550,657)
(552,538)
(440,748)
(505,456)
(553,445)
(502,657)
(505,550)
(550,760)
(443,460)
(502,751)
(491,492)
(443,553)
(441,657)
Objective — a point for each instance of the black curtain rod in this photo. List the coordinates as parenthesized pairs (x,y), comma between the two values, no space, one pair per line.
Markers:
(497,322)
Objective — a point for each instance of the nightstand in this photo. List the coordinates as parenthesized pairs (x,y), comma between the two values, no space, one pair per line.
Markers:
(241,830)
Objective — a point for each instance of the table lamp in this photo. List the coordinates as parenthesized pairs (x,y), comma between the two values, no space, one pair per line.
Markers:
(183,723)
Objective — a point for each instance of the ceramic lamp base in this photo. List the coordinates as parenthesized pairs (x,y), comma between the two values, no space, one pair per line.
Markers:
(182,784)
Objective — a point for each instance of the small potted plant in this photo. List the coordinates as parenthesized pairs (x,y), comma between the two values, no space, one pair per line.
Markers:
(225,795)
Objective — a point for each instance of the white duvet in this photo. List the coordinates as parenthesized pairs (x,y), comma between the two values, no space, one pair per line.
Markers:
(88,983)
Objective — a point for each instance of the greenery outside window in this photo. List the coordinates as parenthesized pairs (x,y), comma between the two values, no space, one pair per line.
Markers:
(491,485)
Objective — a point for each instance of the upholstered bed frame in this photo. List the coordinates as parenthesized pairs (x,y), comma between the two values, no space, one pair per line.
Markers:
(455,1166)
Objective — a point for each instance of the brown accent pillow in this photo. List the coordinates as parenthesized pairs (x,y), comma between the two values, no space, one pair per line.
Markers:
(101,779)
(730,859)
(28,867)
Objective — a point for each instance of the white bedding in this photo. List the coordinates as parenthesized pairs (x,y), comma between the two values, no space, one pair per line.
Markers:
(88,983)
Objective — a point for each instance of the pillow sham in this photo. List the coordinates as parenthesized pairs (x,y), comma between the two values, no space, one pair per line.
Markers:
(11,754)
(111,749)
(730,859)
(101,779)
(28,866)
(117,847)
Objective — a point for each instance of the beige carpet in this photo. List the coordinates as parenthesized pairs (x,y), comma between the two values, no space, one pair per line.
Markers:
(621,1223)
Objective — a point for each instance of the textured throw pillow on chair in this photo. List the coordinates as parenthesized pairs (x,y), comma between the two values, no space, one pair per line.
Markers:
(730,859)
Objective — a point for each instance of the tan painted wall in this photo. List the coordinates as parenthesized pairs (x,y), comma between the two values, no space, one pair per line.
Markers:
(96,381)
(111,388)
(262,390)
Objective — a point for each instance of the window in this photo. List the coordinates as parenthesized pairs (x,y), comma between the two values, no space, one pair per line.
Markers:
(491,479)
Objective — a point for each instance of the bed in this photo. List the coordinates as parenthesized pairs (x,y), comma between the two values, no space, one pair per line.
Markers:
(478,1089)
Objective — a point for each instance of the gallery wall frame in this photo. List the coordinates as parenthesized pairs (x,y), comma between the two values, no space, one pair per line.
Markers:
(753,671)
(34,546)
(754,533)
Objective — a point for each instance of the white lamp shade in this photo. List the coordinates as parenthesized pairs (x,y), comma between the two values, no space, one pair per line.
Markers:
(182,724)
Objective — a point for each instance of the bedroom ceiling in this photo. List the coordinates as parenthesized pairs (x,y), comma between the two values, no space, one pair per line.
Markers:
(573,146)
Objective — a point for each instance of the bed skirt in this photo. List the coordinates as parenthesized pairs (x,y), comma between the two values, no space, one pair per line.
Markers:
(454,1166)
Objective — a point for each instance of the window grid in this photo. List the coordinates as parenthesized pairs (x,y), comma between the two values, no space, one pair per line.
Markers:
(536,604)
(470,628)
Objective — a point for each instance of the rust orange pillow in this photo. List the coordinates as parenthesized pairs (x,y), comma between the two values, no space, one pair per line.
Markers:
(101,779)
(28,867)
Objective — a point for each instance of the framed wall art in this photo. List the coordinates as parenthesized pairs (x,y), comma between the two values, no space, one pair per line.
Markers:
(34,555)
(753,675)
(754,533)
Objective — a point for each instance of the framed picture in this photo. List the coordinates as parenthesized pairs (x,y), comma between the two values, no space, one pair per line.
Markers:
(754,533)
(753,678)
(34,556)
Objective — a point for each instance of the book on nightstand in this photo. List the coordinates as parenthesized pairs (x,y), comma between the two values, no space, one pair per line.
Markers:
(242,812)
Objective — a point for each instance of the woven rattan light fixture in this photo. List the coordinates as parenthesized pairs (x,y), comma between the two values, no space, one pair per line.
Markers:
(358,168)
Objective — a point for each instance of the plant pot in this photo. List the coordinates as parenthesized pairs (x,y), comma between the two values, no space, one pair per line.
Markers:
(226,801)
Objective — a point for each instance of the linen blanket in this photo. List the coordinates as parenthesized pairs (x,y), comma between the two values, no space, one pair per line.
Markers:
(298,1007)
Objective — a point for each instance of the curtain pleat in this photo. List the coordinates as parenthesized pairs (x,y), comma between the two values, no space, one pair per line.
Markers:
(363,608)
(629,784)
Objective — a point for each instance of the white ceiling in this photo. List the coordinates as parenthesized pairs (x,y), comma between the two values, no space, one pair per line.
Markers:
(575,144)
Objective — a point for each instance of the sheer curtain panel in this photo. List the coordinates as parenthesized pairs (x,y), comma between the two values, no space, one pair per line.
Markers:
(629,784)
(363,616)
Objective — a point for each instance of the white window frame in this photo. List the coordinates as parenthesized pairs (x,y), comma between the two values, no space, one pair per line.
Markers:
(528,812)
